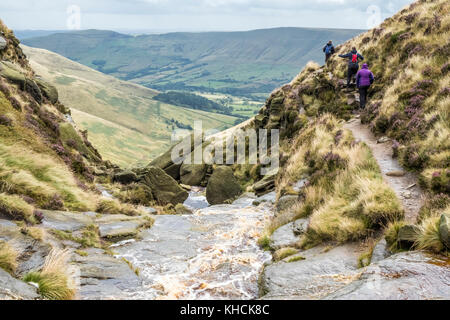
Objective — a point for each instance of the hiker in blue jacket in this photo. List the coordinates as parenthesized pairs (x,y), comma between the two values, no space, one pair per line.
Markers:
(364,80)
(328,50)
(353,64)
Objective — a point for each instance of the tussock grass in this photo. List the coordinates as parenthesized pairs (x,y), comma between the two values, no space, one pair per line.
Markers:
(391,235)
(16,208)
(116,207)
(284,253)
(54,280)
(429,236)
(8,257)
(346,198)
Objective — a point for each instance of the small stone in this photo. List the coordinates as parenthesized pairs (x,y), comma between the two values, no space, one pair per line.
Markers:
(300,226)
(444,229)
(383,140)
(396,174)
(411,186)
(3,43)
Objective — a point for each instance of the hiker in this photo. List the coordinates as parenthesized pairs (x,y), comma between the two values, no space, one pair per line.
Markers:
(353,64)
(364,78)
(329,50)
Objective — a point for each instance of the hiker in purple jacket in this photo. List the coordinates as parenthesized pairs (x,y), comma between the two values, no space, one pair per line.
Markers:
(364,78)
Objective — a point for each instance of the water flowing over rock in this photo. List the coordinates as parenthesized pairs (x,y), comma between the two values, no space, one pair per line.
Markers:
(212,254)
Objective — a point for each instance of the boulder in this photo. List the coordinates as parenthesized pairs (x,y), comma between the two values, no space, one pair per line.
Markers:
(265,185)
(380,252)
(222,186)
(13,289)
(286,202)
(300,226)
(193,174)
(3,43)
(444,227)
(49,91)
(165,189)
(125,177)
(407,236)
(65,221)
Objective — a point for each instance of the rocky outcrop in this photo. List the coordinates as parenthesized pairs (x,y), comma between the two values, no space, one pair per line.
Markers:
(48,90)
(222,186)
(3,43)
(164,188)
(265,185)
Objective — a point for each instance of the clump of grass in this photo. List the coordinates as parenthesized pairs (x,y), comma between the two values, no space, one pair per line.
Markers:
(8,257)
(81,253)
(265,242)
(132,267)
(16,208)
(89,237)
(35,232)
(284,253)
(391,235)
(295,259)
(429,236)
(116,207)
(54,280)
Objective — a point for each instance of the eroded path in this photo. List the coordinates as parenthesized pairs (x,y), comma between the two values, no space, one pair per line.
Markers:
(404,184)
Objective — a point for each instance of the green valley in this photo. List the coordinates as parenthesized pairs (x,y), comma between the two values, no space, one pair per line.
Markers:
(249,63)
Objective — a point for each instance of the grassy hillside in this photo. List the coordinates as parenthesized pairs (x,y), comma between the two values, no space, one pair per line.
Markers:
(237,63)
(345,197)
(123,121)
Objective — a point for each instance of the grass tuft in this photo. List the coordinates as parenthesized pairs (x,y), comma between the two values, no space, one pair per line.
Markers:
(8,257)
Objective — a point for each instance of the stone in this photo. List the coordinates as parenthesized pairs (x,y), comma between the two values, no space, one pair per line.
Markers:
(383,140)
(380,251)
(297,187)
(222,186)
(125,177)
(300,226)
(165,189)
(269,197)
(119,230)
(13,289)
(65,221)
(265,185)
(193,174)
(49,91)
(407,236)
(182,210)
(286,202)
(284,237)
(444,227)
(396,174)
(404,276)
(3,43)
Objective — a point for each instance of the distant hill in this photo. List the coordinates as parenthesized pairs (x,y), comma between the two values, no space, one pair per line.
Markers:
(237,63)
(123,120)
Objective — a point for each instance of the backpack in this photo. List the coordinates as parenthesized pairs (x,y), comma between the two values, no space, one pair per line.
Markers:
(328,49)
(355,58)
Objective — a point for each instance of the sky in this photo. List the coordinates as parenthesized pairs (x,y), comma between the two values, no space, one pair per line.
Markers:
(195,15)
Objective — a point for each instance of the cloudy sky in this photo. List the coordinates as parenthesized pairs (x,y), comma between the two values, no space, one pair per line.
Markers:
(199,15)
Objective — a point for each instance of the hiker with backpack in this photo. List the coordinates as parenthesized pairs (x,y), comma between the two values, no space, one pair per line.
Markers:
(353,64)
(329,50)
(364,79)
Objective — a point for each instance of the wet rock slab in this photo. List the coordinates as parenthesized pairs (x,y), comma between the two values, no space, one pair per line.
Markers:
(321,273)
(13,289)
(65,221)
(404,276)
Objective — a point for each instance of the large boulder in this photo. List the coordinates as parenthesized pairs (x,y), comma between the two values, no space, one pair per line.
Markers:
(265,185)
(193,174)
(125,177)
(222,186)
(165,189)
(444,228)
(14,75)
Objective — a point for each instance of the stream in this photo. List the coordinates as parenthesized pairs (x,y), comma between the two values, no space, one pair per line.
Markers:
(211,254)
